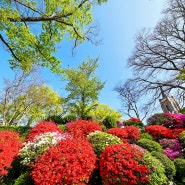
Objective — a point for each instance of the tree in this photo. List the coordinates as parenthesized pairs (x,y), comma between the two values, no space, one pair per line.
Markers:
(159,56)
(30,29)
(130,100)
(102,111)
(83,87)
(26,98)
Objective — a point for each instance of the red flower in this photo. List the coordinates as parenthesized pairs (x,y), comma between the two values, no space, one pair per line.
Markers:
(10,143)
(135,119)
(119,132)
(159,132)
(81,128)
(70,162)
(42,127)
(123,164)
(133,133)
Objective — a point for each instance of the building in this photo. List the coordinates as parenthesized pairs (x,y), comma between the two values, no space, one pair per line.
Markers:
(168,103)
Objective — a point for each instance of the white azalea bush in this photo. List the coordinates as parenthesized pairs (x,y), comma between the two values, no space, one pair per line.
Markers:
(32,149)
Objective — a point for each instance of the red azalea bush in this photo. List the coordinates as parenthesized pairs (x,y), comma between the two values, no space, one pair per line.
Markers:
(159,132)
(42,127)
(119,132)
(123,164)
(133,133)
(70,162)
(177,132)
(81,128)
(10,143)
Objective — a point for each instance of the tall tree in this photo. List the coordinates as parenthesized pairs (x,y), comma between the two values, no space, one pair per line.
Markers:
(130,100)
(30,29)
(26,98)
(101,111)
(159,55)
(83,87)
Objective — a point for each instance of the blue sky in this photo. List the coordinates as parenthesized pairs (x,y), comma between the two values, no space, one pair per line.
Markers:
(119,21)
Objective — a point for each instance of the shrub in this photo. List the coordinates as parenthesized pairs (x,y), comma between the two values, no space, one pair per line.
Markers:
(63,127)
(109,122)
(119,132)
(100,140)
(32,149)
(157,171)
(180,169)
(134,122)
(24,179)
(69,162)
(10,143)
(150,145)
(182,137)
(55,118)
(133,133)
(42,127)
(172,147)
(167,119)
(169,166)
(81,128)
(123,164)
(22,130)
(146,135)
(159,132)
(69,118)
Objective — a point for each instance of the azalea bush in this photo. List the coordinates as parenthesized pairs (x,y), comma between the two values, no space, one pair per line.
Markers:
(157,170)
(150,145)
(10,143)
(167,119)
(159,132)
(168,164)
(134,122)
(133,133)
(42,127)
(171,147)
(32,149)
(70,162)
(119,132)
(180,170)
(81,128)
(100,140)
(123,164)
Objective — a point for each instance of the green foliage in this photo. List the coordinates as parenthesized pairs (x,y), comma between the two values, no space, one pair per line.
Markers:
(55,118)
(53,21)
(146,135)
(22,130)
(63,127)
(109,122)
(100,140)
(182,137)
(180,169)
(150,145)
(139,125)
(157,176)
(168,164)
(103,110)
(24,179)
(69,118)
(83,87)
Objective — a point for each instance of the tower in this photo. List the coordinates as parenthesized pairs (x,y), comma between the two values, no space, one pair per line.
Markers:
(168,103)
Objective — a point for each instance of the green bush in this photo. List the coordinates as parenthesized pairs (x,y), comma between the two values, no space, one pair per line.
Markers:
(24,179)
(100,140)
(109,122)
(180,169)
(55,118)
(182,137)
(63,127)
(168,164)
(139,125)
(69,118)
(22,130)
(146,135)
(157,176)
(150,145)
